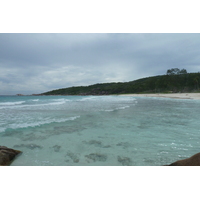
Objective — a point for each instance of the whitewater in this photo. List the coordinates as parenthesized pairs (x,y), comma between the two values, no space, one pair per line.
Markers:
(99,130)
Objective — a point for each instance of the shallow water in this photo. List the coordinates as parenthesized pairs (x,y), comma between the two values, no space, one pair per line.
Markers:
(99,130)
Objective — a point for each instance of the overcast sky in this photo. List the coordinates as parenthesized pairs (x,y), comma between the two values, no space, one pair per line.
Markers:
(36,63)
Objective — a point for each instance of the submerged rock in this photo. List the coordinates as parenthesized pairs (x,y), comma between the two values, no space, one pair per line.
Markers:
(106,146)
(56,148)
(124,160)
(96,143)
(7,155)
(73,157)
(124,145)
(93,142)
(192,161)
(97,157)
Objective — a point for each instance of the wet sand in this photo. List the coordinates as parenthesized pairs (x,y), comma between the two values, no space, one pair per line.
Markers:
(171,95)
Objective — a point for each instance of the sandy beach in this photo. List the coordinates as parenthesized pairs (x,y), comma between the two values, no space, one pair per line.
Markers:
(171,95)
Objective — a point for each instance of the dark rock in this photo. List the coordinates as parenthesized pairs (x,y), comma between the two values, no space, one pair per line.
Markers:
(124,160)
(7,155)
(97,157)
(192,161)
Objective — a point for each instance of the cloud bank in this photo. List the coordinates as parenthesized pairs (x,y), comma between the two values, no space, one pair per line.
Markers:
(35,63)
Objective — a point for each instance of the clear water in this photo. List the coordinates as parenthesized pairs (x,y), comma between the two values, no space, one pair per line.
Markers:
(99,130)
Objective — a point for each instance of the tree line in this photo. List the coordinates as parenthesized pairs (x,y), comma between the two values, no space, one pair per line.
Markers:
(176,71)
(174,81)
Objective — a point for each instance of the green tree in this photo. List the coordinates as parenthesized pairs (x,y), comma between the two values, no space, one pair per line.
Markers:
(196,82)
(176,71)
(183,71)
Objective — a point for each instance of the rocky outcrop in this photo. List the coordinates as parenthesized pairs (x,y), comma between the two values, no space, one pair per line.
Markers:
(192,161)
(7,155)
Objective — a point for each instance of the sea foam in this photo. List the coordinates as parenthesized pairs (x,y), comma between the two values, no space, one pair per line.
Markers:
(39,123)
(7,104)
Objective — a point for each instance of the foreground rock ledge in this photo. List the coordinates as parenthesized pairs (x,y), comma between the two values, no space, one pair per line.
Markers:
(7,155)
(192,161)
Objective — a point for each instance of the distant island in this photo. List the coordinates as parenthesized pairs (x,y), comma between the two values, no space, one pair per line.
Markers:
(173,81)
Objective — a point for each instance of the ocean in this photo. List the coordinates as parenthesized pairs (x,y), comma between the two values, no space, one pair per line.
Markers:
(99,130)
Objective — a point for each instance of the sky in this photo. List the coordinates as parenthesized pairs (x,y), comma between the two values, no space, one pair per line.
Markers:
(32,63)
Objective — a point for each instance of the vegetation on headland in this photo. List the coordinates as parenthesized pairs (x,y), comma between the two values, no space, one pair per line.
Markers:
(174,81)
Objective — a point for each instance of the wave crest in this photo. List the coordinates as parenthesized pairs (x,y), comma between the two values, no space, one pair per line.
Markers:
(38,123)
(11,103)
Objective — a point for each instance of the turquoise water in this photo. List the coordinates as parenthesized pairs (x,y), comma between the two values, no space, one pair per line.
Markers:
(99,130)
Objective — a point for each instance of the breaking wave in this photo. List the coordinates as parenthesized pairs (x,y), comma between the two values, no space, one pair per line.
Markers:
(11,103)
(38,123)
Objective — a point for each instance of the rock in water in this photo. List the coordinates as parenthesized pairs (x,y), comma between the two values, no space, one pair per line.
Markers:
(192,161)
(7,155)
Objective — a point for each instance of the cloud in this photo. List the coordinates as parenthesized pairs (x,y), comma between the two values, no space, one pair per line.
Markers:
(34,63)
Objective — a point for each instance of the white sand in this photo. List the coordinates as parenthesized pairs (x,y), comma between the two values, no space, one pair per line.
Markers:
(171,95)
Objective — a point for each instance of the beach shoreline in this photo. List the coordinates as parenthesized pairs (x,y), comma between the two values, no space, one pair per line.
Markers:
(195,96)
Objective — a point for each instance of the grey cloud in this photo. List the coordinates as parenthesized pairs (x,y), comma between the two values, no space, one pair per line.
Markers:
(33,63)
